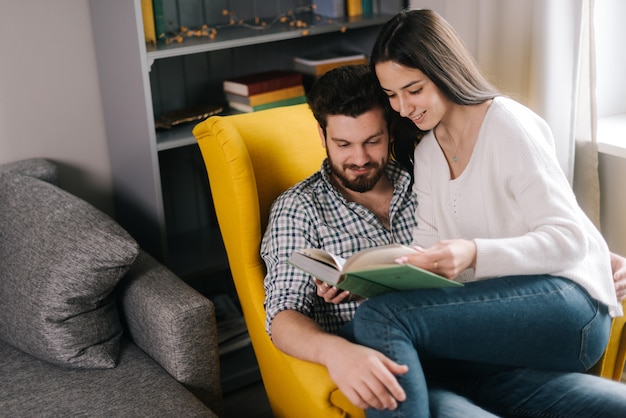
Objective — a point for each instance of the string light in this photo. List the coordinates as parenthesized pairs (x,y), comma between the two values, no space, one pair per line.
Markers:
(288,18)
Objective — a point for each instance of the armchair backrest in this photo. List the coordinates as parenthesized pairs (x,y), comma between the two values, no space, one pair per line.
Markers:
(250,159)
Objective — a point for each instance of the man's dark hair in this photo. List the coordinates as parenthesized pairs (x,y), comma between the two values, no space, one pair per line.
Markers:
(350,90)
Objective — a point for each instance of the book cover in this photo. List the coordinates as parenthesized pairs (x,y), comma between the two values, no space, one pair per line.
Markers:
(286,102)
(256,83)
(269,97)
(147,16)
(368,273)
(330,8)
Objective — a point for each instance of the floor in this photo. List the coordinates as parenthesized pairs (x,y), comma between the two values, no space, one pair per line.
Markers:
(247,402)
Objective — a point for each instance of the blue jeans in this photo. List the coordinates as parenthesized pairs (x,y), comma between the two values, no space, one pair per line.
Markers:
(459,340)
(527,393)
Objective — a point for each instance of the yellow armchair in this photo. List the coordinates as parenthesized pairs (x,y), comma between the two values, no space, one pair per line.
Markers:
(611,365)
(250,159)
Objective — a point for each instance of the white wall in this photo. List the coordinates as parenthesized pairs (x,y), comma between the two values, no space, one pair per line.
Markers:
(50,102)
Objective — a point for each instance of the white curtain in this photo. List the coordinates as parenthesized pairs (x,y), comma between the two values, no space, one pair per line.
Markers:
(540,52)
(586,178)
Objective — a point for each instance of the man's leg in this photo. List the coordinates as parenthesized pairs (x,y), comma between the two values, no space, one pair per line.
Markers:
(447,404)
(530,392)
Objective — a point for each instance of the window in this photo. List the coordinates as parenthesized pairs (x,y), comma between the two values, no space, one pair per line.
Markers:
(610,32)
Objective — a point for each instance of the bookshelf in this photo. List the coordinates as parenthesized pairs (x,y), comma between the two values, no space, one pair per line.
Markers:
(161,192)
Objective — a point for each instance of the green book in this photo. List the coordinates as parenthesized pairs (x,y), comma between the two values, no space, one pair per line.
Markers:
(285,102)
(159,20)
(368,273)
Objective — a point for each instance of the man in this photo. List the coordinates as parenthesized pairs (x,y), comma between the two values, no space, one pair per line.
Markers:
(359,199)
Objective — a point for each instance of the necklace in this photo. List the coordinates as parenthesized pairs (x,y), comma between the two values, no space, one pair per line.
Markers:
(454,157)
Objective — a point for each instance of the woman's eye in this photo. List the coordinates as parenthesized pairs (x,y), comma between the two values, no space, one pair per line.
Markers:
(418,91)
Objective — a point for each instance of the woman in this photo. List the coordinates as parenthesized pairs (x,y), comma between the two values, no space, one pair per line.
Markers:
(494,204)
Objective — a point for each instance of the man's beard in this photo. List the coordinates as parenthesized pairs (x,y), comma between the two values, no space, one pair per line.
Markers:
(359,184)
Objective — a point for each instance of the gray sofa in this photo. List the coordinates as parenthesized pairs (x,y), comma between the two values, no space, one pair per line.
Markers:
(90,325)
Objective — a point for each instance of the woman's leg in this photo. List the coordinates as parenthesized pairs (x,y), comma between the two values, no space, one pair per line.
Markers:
(541,322)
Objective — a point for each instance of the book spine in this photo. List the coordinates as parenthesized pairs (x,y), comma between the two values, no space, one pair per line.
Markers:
(271,96)
(147,16)
(353,8)
(286,102)
(367,7)
(287,80)
(313,62)
(320,69)
(159,19)
(247,108)
(274,84)
(324,68)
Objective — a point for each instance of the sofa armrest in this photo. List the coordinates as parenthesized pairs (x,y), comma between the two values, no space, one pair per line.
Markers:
(34,167)
(173,324)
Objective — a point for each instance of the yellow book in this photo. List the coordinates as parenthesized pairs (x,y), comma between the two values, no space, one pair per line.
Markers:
(147,15)
(269,97)
(354,8)
(324,68)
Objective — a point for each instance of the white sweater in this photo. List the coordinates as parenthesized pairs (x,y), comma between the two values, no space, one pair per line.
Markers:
(514,201)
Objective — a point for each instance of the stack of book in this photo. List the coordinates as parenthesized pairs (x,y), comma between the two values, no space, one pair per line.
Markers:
(316,64)
(265,90)
(232,333)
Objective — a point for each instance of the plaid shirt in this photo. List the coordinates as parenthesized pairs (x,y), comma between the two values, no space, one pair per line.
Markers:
(313,214)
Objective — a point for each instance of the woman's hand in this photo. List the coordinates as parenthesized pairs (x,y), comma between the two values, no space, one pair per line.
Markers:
(448,258)
(618,265)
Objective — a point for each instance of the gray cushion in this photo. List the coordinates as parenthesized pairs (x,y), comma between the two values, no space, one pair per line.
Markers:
(34,167)
(137,387)
(60,259)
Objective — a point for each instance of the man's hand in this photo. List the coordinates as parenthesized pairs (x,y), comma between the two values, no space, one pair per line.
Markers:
(365,376)
(618,265)
(334,295)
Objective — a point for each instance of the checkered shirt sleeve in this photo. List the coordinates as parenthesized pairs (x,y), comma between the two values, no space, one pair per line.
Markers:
(312,214)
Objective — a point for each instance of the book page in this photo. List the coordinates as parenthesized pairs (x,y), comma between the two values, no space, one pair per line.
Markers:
(377,257)
(325,257)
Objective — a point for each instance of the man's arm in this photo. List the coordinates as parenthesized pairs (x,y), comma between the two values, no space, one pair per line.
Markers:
(365,376)
(618,265)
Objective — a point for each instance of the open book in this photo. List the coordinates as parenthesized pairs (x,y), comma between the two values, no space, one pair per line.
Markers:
(368,273)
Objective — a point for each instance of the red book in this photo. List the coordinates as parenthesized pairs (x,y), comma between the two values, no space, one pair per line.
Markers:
(251,84)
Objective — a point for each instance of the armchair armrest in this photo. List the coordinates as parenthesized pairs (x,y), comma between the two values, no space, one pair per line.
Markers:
(173,324)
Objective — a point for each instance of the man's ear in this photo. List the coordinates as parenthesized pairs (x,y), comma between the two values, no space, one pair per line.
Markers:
(320,131)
